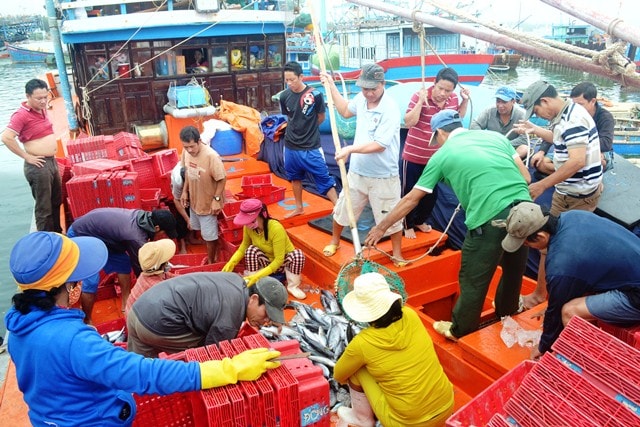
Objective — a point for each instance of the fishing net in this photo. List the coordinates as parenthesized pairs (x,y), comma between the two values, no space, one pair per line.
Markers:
(349,272)
(346,127)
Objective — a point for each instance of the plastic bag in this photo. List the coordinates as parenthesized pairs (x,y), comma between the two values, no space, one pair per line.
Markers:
(512,333)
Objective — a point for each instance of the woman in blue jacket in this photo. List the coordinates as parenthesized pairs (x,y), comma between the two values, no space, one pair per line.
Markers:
(69,375)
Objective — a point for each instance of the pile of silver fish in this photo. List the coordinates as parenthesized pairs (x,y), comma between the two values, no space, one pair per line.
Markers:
(322,332)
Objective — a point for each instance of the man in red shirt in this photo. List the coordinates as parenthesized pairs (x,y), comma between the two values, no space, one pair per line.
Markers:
(31,126)
(416,153)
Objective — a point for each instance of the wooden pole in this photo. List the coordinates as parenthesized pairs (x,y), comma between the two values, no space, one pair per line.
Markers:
(334,130)
(534,49)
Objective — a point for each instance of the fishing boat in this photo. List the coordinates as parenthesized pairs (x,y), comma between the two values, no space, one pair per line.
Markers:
(503,56)
(135,96)
(31,52)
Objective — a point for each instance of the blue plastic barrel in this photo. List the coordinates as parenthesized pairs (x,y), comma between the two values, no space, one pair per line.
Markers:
(227,142)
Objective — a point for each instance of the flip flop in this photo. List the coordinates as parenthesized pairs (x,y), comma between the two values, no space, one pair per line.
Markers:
(400,264)
(330,249)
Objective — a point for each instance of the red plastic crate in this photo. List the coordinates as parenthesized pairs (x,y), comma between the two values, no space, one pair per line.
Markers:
(252,397)
(169,411)
(313,392)
(630,335)
(230,235)
(204,268)
(88,148)
(113,325)
(499,421)
(231,208)
(267,397)
(164,181)
(492,400)
(273,195)
(256,185)
(149,198)
(187,260)
(126,190)
(602,356)
(534,405)
(146,174)
(124,146)
(284,384)
(569,385)
(98,166)
(165,160)
(210,407)
(239,407)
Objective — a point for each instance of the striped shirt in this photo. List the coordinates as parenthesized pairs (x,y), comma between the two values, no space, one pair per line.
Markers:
(416,147)
(573,128)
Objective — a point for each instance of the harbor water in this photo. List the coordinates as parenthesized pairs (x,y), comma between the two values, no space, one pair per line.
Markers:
(16,203)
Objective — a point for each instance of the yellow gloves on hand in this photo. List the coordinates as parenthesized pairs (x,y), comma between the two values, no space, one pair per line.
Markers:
(252,363)
(251,279)
(246,366)
(228,267)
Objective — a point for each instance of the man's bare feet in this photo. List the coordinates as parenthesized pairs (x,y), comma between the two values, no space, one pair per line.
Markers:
(409,233)
(294,213)
(531,300)
(425,228)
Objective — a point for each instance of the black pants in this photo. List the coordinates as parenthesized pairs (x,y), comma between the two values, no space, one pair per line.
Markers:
(46,189)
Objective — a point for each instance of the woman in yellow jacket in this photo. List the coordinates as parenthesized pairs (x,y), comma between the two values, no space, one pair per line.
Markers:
(266,248)
(391,366)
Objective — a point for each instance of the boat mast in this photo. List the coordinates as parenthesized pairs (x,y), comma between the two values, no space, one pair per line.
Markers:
(525,44)
(62,69)
(612,26)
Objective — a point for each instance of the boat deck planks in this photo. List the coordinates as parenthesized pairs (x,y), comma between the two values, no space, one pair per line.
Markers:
(620,199)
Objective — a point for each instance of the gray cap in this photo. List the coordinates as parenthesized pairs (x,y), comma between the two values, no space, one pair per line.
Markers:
(275,297)
(524,219)
(371,75)
(531,96)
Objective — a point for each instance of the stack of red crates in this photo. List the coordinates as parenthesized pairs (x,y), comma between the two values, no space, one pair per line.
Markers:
(230,231)
(89,148)
(261,187)
(630,335)
(590,379)
(295,394)
(124,146)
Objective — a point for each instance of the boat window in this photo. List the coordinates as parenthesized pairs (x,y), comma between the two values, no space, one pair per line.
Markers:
(197,60)
(140,45)
(257,56)
(238,57)
(276,55)
(219,60)
(196,41)
(140,62)
(119,60)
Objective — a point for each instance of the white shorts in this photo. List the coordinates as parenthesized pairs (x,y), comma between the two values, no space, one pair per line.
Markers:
(383,194)
(207,224)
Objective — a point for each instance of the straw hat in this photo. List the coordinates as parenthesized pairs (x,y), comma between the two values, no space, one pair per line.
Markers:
(153,255)
(370,299)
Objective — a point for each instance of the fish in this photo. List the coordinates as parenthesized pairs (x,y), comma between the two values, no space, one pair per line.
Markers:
(329,301)
(114,336)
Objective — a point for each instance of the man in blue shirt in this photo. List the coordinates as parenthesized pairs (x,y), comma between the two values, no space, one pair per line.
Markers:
(581,280)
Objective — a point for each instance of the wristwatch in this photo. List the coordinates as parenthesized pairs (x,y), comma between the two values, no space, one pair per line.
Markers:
(217,198)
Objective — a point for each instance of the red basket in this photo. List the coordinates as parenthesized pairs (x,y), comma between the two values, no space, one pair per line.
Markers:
(249,389)
(630,335)
(187,260)
(256,185)
(203,268)
(232,235)
(146,174)
(124,146)
(165,160)
(98,166)
(274,195)
(313,392)
(149,198)
(602,356)
(492,400)
(239,407)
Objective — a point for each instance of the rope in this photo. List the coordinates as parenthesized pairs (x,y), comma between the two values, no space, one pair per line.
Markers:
(429,251)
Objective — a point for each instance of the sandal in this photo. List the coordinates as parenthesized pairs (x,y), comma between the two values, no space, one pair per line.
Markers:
(400,263)
(330,249)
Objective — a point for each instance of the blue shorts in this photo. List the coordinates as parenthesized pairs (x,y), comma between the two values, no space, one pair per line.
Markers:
(116,263)
(298,162)
(613,307)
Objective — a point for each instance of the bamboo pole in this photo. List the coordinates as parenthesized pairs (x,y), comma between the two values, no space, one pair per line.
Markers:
(531,48)
(334,130)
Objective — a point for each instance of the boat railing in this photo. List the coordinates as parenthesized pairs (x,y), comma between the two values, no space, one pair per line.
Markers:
(82,9)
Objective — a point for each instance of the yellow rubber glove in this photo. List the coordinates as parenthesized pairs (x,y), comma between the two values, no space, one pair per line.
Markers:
(251,364)
(228,267)
(252,279)
(246,366)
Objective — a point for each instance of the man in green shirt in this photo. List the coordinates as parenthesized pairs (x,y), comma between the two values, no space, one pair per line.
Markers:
(489,178)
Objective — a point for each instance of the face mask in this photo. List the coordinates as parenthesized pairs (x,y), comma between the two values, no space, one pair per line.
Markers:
(74,293)
(253,225)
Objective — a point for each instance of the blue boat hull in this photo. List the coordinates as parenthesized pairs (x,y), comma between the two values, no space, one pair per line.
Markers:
(18,54)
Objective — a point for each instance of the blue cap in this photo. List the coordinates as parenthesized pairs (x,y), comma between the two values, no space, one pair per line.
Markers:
(506,93)
(35,254)
(442,119)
